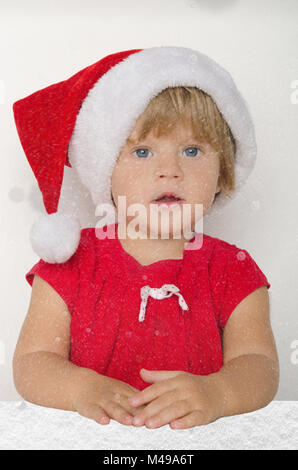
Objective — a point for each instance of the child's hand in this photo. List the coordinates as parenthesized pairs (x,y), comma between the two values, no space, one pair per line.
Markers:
(103,398)
(193,398)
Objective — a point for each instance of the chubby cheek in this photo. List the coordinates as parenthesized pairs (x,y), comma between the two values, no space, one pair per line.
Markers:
(202,192)
(130,185)
(137,197)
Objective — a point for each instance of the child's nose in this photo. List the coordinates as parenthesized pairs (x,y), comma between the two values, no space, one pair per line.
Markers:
(170,169)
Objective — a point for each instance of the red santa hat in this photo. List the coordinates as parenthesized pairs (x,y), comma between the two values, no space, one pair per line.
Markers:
(84,121)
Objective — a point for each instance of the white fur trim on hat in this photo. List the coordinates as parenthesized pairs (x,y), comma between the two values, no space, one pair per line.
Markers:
(111,108)
(55,237)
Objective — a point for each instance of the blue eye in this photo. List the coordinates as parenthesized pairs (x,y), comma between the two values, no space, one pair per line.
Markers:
(192,154)
(142,153)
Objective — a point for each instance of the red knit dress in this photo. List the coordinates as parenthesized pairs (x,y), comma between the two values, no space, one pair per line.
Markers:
(117,327)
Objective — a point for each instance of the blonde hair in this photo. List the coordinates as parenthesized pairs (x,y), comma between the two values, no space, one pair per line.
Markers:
(193,105)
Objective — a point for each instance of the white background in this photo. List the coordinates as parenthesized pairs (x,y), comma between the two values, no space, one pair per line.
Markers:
(46,42)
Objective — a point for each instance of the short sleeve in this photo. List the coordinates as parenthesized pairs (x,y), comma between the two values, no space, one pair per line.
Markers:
(240,278)
(63,277)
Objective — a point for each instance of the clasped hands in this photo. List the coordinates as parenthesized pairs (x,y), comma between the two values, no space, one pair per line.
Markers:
(178,398)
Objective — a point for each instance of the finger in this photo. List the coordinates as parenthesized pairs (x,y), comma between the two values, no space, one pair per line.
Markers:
(118,413)
(122,399)
(169,413)
(134,411)
(157,375)
(96,413)
(152,392)
(196,418)
(157,407)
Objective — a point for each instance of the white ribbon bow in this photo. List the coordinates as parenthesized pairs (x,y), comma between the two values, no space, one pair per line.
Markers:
(160,293)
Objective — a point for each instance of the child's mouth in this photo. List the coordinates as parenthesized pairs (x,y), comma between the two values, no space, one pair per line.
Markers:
(168,200)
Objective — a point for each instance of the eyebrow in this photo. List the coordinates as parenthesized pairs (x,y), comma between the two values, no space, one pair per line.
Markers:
(136,141)
(132,141)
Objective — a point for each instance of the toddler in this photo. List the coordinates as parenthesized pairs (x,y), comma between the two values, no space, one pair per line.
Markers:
(130,325)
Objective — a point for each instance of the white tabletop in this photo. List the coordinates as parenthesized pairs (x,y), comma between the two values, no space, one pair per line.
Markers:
(24,425)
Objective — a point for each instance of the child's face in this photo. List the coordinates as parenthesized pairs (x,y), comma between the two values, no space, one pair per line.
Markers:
(174,163)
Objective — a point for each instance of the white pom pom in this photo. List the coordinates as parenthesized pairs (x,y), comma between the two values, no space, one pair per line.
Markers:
(55,237)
